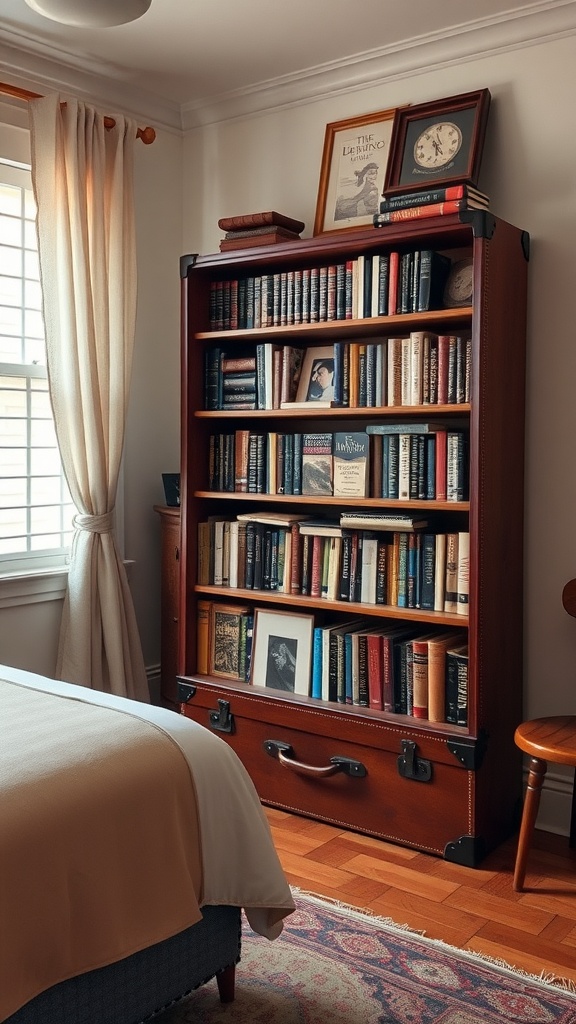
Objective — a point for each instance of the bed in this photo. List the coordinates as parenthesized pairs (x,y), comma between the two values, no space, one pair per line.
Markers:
(131,839)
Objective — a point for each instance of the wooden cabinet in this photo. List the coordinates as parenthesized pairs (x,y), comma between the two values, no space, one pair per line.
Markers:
(449,789)
(169,598)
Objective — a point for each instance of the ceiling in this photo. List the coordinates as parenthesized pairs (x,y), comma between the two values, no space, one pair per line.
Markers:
(186,52)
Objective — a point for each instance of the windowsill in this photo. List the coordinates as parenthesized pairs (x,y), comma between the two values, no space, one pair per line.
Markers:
(33,587)
(38,585)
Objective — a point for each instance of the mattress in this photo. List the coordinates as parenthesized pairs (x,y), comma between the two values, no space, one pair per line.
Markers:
(122,820)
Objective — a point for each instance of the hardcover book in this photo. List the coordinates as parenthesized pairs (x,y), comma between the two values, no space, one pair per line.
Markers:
(317,464)
(257,220)
(457,685)
(382,521)
(225,627)
(351,464)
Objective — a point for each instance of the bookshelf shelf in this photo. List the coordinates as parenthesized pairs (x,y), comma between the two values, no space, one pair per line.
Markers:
(327,501)
(449,782)
(445,318)
(392,412)
(328,607)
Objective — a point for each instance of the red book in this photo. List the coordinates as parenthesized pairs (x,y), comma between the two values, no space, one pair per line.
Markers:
(375,670)
(393,271)
(420,678)
(258,220)
(444,343)
(417,212)
(296,544)
(316,567)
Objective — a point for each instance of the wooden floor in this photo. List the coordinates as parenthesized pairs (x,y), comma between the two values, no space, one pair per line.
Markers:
(473,908)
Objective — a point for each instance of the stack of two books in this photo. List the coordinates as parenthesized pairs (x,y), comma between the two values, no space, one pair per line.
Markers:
(250,229)
(430,202)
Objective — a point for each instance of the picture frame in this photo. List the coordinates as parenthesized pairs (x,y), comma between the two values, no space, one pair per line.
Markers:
(353,170)
(420,156)
(282,651)
(171,484)
(314,389)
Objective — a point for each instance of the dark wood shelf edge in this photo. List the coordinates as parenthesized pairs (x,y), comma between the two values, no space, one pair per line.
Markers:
(355,607)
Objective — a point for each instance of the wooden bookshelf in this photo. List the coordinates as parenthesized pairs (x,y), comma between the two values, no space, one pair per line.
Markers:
(448,789)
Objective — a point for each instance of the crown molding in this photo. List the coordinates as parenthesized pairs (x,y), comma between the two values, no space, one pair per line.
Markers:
(484,37)
(37,66)
(41,68)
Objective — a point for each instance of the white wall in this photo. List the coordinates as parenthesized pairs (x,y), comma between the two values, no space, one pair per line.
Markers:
(272,162)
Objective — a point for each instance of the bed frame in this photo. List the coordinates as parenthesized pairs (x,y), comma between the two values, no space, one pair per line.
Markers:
(148,982)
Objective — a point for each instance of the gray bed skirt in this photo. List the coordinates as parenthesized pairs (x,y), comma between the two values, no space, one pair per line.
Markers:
(144,984)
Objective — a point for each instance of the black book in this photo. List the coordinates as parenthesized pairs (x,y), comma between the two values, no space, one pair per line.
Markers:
(434,269)
(250,549)
(344,593)
(212,379)
(428,571)
(258,582)
(383,284)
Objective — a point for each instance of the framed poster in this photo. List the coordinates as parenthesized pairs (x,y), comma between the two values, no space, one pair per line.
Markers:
(352,173)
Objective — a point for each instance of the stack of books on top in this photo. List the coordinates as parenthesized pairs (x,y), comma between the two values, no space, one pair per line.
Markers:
(250,229)
(429,202)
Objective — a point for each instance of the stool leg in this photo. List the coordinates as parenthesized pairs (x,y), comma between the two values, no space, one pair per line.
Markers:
(531,803)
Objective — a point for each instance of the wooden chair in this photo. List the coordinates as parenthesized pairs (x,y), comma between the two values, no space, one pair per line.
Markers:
(545,739)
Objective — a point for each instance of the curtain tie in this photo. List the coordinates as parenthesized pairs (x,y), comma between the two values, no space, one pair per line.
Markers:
(95,524)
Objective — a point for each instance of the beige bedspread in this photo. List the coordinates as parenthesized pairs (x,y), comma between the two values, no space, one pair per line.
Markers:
(117,822)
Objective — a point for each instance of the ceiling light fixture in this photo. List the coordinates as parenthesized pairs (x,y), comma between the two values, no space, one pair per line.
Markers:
(90,13)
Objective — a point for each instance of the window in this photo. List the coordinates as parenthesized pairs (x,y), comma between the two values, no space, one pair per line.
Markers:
(35,505)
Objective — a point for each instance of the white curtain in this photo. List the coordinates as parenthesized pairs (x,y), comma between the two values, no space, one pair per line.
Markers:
(82,175)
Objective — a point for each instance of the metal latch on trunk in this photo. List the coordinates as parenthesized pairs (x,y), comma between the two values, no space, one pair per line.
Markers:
(222,720)
(412,767)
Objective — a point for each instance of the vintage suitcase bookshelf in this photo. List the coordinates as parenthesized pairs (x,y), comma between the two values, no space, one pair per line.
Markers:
(451,790)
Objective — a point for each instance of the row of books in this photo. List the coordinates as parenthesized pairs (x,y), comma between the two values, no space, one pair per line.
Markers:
(337,561)
(371,285)
(421,368)
(398,668)
(411,461)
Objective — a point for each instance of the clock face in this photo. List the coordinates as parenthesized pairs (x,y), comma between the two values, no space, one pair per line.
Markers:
(437,145)
(458,290)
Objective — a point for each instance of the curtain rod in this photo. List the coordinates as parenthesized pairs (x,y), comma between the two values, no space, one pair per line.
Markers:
(146,134)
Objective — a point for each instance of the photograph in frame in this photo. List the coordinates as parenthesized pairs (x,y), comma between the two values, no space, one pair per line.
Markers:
(353,171)
(316,383)
(282,651)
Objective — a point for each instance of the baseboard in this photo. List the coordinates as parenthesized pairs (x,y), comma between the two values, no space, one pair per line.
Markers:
(555,803)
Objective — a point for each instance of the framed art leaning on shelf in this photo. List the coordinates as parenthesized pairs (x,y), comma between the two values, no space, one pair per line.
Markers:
(282,650)
(354,161)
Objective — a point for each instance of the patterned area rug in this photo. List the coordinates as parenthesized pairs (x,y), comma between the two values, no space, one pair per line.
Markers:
(332,965)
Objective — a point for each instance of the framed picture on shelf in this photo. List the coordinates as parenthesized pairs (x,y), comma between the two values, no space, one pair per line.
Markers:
(282,651)
(352,173)
(438,143)
(171,483)
(316,383)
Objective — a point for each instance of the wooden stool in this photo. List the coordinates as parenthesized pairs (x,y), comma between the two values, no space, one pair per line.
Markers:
(545,739)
